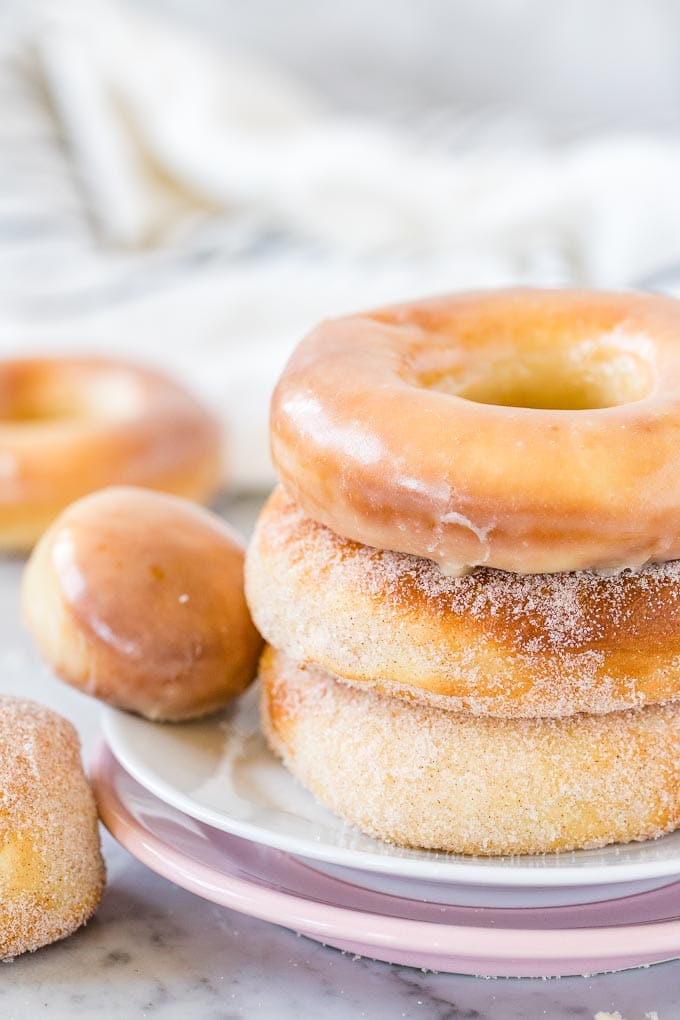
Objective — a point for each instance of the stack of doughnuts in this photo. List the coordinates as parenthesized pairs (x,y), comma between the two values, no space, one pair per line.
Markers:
(469,579)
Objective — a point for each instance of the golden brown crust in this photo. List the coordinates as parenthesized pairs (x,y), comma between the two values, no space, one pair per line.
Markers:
(490,643)
(419,776)
(137,598)
(69,426)
(51,870)
(389,427)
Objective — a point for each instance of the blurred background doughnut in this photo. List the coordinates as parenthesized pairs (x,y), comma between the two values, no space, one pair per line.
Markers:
(69,426)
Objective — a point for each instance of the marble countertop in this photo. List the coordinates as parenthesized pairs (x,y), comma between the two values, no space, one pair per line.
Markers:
(155,950)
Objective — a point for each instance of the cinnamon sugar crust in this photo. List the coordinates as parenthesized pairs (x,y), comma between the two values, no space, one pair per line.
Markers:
(415,775)
(51,869)
(488,643)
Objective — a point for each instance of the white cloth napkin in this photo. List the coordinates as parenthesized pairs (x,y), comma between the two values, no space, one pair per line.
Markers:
(218,210)
(166,130)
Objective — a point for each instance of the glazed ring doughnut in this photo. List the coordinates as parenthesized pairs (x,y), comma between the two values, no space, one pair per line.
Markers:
(136,597)
(69,426)
(529,431)
(490,643)
(51,870)
(417,776)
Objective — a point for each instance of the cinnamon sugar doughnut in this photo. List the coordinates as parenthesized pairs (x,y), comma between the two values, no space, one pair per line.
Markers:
(51,870)
(136,597)
(419,776)
(489,643)
(69,426)
(525,430)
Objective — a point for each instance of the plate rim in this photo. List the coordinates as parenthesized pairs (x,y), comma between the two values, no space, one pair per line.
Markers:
(464,873)
(605,947)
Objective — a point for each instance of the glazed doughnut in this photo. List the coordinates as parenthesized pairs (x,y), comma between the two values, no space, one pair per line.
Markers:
(136,597)
(489,643)
(69,426)
(419,776)
(51,870)
(529,431)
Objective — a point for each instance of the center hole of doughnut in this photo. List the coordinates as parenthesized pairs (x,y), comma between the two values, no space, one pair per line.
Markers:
(65,393)
(26,413)
(591,374)
(33,397)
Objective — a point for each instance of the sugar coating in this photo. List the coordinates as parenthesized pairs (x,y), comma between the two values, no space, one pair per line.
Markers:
(489,643)
(51,870)
(417,776)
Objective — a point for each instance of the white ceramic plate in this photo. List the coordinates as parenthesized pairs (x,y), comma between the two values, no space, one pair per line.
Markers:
(221,772)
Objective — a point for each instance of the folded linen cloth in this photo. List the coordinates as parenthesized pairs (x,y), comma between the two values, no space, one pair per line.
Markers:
(166,130)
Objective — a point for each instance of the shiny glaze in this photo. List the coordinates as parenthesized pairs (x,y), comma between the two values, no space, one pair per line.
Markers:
(379,432)
(137,598)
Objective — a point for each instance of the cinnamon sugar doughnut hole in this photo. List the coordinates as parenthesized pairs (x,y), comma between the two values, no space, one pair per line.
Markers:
(136,598)
(69,426)
(418,776)
(51,869)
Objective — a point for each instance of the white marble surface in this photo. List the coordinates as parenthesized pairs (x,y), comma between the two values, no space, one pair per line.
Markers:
(154,950)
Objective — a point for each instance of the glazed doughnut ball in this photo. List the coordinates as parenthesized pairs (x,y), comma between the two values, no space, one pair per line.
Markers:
(51,869)
(136,598)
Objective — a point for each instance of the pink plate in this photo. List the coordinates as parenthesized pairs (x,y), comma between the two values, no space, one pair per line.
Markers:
(269,884)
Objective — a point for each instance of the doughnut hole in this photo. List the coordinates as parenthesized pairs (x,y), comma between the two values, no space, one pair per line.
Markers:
(51,870)
(517,365)
(585,378)
(33,393)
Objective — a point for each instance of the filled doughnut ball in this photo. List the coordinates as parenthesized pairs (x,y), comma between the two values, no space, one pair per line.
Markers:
(51,869)
(137,598)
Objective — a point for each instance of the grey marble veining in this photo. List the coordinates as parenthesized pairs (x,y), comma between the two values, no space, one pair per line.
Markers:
(154,950)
